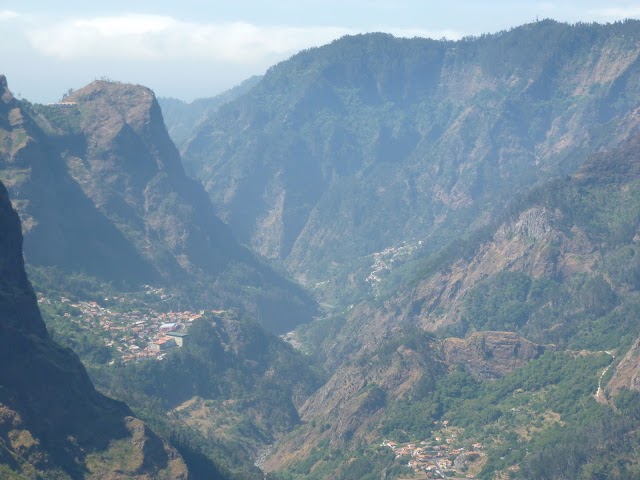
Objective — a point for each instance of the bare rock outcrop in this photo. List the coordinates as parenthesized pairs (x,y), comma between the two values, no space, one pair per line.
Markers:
(627,373)
(490,355)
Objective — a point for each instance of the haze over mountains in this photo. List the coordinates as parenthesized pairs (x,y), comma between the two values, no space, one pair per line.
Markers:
(101,190)
(561,270)
(182,118)
(466,213)
(351,148)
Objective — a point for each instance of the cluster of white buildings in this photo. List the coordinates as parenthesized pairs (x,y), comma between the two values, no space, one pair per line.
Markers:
(435,457)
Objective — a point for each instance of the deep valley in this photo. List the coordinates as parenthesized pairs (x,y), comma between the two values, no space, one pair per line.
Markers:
(386,258)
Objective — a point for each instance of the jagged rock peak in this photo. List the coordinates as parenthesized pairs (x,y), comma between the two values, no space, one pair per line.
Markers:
(135,104)
(114,90)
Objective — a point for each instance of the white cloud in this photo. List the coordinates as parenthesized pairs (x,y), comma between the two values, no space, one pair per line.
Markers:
(156,37)
(619,13)
(8,15)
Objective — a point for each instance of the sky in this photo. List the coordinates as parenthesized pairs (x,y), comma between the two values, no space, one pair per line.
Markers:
(198,48)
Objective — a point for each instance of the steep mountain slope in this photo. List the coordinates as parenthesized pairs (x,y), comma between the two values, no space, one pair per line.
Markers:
(340,152)
(354,403)
(182,118)
(53,423)
(234,385)
(62,227)
(99,178)
(371,141)
(101,190)
(560,267)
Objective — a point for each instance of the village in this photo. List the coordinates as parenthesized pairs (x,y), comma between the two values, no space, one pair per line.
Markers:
(137,330)
(441,456)
(135,333)
(384,261)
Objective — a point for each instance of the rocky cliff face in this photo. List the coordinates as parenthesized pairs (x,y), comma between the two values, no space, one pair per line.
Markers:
(19,308)
(101,190)
(490,355)
(627,373)
(62,226)
(132,172)
(52,420)
(566,234)
(527,243)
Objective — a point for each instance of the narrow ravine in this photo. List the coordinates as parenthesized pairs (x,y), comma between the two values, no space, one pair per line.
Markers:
(599,396)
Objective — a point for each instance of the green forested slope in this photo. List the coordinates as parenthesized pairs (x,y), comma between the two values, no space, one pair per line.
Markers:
(560,269)
(230,392)
(182,118)
(371,141)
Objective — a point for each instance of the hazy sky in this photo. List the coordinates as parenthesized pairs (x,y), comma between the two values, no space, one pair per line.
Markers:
(197,48)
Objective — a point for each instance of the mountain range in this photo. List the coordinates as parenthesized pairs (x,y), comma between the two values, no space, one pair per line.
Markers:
(101,191)
(426,183)
(358,146)
(445,235)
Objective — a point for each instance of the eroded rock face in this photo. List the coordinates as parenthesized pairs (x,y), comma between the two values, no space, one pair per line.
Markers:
(533,242)
(627,373)
(51,417)
(132,172)
(490,355)
(352,402)
(62,226)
